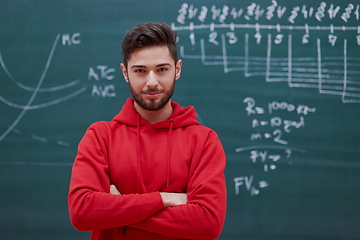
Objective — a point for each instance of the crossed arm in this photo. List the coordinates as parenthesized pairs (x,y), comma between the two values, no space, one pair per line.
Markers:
(169,199)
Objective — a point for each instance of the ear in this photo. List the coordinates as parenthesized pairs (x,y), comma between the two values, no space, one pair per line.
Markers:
(178,69)
(124,72)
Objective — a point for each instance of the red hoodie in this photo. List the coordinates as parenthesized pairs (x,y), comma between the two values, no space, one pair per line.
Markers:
(142,160)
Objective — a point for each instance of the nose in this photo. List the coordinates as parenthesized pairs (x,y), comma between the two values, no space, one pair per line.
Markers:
(152,81)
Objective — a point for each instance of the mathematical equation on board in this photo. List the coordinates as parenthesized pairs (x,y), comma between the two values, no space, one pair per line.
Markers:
(270,128)
(98,77)
(238,42)
(270,11)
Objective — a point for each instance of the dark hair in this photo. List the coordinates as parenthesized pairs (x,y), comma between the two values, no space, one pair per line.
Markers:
(149,35)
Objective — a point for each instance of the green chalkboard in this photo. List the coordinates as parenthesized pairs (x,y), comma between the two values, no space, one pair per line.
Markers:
(279,81)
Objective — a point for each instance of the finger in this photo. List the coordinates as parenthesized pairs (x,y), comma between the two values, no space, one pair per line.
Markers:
(114,190)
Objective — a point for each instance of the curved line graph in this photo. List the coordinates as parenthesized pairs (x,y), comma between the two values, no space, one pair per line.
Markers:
(73,83)
(36,90)
(42,105)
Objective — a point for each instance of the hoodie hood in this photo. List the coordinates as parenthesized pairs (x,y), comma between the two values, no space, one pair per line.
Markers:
(181,117)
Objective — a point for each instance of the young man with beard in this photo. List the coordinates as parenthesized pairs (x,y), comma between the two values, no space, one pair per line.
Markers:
(153,172)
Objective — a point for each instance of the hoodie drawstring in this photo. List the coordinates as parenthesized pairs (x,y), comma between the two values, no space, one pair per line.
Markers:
(138,154)
(169,154)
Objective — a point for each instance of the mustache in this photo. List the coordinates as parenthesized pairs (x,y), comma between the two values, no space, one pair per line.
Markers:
(151,90)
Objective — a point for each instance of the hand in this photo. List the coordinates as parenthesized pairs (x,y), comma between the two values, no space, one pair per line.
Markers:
(114,190)
(169,199)
(173,199)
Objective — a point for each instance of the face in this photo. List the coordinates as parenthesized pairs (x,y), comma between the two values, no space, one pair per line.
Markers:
(151,74)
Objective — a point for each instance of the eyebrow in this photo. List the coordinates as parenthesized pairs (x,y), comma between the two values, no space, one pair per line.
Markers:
(143,66)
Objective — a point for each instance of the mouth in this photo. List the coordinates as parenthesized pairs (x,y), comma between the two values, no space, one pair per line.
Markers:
(152,94)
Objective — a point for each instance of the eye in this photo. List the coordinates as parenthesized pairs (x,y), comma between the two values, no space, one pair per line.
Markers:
(139,70)
(162,69)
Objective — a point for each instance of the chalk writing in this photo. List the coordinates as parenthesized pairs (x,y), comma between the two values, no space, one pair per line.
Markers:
(67,40)
(103,91)
(105,73)
(274,128)
(102,72)
(272,10)
(261,39)
(329,73)
(247,181)
(281,125)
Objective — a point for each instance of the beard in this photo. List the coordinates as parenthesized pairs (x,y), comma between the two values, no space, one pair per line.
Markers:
(152,104)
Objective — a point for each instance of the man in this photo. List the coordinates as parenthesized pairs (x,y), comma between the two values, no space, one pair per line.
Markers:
(152,172)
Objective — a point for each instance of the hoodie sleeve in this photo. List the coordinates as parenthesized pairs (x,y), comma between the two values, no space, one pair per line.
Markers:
(204,214)
(91,206)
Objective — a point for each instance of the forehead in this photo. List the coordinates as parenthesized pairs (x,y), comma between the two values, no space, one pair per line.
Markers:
(151,56)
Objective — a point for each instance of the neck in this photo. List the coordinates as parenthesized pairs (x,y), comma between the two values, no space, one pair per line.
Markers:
(155,116)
